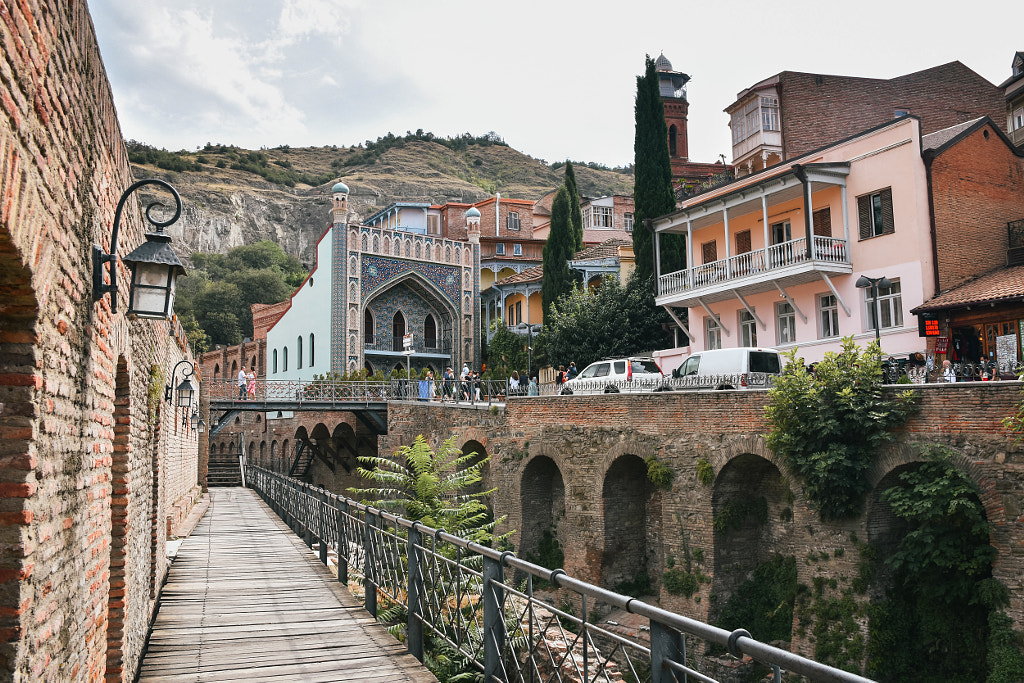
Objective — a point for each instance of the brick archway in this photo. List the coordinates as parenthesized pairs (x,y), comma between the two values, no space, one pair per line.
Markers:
(625,496)
(542,506)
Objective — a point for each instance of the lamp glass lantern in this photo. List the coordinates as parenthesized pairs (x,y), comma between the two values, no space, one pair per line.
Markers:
(155,269)
(186,391)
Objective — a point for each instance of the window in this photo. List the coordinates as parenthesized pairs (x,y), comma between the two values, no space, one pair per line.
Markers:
(672,135)
(1017,119)
(770,113)
(709,252)
(874,213)
(828,316)
(512,220)
(367,327)
(628,217)
(743,242)
(298,355)
(430,332)
(499,249)
(284,359)
(785,322)
(781,232)
(900,112)
(712,334)
(890,307)
(311,349)
(517,250)
(519,312)
(588,217)
(510,318)
(275,361)
(602,216)
(748,329)
(433,224)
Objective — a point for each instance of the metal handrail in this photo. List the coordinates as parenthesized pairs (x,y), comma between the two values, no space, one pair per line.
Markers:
(483,601)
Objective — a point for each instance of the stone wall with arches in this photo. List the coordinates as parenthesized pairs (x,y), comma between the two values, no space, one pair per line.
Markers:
(568,466)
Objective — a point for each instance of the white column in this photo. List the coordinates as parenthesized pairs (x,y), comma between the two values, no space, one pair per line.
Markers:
(689,245)
(810,217)
(728,251)
(767,237)
(846,223)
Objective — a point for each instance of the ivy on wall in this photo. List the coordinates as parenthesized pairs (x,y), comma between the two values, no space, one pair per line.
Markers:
(828,424)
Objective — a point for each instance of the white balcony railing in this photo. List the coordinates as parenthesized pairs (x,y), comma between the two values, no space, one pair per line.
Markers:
(759,261)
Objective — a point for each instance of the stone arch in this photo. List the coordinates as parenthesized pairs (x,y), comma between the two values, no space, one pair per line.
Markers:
(285,455)
(234,368)
(263,454)
(273,453)
(216,370)
(251,451)
(752,509)
(118,550)
(430,332)
(542,506)
(474,446)
(625,495)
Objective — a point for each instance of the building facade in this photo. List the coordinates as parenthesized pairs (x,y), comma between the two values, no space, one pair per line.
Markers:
(791,113)
(1013,89)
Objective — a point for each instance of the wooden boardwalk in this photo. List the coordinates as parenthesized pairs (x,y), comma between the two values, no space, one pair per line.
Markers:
(246,600)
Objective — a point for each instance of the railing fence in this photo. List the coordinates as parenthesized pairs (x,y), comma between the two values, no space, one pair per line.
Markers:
(492,608)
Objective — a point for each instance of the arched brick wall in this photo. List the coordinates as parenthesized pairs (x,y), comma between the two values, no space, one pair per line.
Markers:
(625,494)
(542,506)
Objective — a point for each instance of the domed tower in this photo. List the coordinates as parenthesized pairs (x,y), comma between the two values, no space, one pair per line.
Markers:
(340,194)
(473,225)
(672,85)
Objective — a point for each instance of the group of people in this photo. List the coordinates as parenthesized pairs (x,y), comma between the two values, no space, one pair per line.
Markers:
(565,374)
(246,384)
(516,388)
(465,388)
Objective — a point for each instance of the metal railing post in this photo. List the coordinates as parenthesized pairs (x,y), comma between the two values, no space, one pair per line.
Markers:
(369,574)
(322,517)
(494,622)
(667,645)
(414,627)
(343,512)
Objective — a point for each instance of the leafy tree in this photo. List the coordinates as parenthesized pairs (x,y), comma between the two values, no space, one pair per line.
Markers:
(942,604)
(558,278)
(586,325)
(652,187)
(575,213)
(506,352)
(828,425)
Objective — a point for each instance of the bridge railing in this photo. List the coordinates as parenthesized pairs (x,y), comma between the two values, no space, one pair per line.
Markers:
(493,607)
(332,391)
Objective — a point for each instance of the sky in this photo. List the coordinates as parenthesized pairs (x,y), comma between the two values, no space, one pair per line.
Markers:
(556,80)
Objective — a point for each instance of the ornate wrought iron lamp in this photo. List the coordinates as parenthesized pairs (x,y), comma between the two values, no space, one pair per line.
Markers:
(187,389)
(154,265)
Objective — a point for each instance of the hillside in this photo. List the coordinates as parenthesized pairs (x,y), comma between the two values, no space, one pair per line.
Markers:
(234,196)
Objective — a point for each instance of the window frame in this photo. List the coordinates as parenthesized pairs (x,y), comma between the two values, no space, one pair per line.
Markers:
(512,220)
(875,218)
(627,218)
(889,302)
(604,218)
(828,310)
(712,334)
(785,320)
(748,328)
(499,249)
(517,249)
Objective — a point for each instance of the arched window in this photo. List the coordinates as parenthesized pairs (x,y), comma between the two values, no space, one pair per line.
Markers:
(234,368)
(672,135)
(275,361)
(311,351)
(430,332)
(284,359)
(398,331)
(364,243)
(298,352)
(367,327)
(216,370)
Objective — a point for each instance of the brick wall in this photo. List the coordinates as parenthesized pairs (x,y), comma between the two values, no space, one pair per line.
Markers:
(818,109)
(562,464)
(977,188)
(82,507)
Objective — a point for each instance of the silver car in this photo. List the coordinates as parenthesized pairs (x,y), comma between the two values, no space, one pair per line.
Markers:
(612,375)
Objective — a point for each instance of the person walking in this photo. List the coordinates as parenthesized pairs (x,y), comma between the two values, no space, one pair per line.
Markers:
(243,383)
(251,382)
(513,384)
(533,389)
(430,385)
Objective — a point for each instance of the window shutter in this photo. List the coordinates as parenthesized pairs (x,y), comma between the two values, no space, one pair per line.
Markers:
(864,216)
(888,224)
(743,242)
(823,223)
(710,252)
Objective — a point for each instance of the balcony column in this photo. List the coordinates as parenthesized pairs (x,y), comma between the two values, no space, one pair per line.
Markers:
(846,223)
(810,218)
(767,239)
(728,263)
(657,255)
(689,245)
(487,321)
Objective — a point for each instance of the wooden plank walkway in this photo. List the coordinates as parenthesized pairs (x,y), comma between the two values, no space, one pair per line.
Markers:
(246,600)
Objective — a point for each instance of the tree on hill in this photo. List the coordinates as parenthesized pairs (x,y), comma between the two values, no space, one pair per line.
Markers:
(575,213)
(558,249)
(652,188)
(214,301)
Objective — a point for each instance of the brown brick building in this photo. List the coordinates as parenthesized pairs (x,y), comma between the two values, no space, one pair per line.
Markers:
(95,464)
(792,113)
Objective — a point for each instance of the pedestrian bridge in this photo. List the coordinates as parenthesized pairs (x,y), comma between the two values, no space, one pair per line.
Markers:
(248,600)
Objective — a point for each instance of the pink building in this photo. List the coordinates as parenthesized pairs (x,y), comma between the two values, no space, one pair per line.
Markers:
(775,256)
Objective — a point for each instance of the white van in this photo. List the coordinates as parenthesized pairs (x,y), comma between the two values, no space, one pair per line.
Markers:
(740,368)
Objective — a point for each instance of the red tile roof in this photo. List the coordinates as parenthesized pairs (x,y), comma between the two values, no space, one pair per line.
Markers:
(1004,285)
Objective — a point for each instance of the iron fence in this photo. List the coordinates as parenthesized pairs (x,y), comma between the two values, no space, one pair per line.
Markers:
(496,610)
(453,391)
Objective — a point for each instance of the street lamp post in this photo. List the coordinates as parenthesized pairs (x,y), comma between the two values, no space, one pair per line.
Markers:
(874,283)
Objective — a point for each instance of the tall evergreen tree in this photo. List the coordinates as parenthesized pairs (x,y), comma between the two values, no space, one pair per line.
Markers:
(575,213)
(557,252)
(652,173)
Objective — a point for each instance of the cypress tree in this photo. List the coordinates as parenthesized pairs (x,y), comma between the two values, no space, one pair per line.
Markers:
(557,252)
(575,213)
(652,173)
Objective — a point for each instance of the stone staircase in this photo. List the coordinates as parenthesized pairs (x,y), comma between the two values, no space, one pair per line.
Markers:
(223,470)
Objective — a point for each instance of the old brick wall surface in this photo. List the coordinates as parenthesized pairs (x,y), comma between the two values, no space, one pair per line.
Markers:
(977,188)
(816,109)
(81,509)
(575,447)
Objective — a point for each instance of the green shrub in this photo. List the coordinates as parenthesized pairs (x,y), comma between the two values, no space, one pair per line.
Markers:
(705,472)
(659,473)
(679,582)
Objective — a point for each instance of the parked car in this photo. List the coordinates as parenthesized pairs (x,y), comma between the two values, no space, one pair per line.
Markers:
(744,367)
(613,375)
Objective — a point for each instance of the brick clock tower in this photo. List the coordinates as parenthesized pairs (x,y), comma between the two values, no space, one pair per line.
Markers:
(672,85)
